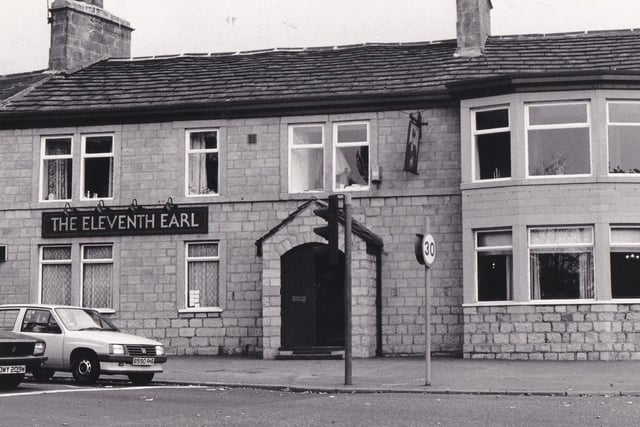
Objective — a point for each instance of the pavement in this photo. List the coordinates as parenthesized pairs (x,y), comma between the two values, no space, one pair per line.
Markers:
(407,375)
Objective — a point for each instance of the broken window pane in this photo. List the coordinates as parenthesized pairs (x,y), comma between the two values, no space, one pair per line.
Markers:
(351,162)
(98,167)
(203,163)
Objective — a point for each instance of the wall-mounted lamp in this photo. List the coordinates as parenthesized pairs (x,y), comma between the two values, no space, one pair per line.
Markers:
(100,208)
(169,205)
(68,210)
(134,207)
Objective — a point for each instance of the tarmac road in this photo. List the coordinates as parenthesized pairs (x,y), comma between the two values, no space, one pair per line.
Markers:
(62,404)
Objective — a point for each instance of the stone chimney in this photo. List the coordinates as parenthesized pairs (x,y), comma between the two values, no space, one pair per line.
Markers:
(82,33)
(473,26)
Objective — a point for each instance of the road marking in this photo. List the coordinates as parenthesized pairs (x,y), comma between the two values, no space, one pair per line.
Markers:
(75,389)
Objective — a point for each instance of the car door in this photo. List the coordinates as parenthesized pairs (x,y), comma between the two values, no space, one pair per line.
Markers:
(40,323)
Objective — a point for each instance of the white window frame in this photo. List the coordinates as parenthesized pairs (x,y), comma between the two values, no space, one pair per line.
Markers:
(505,248)
(84,155)
(42,262)
(44,158)
(292,146)
(84,261)
(337,145)
(475,133)
(590,244)
(620,124)
(577,125)
(189,151)
(188,259)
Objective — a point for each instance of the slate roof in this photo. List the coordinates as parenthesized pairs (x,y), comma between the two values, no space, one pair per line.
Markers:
(348,72)
(12,84)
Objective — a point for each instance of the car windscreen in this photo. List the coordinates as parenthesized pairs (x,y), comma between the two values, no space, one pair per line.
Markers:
(76,319)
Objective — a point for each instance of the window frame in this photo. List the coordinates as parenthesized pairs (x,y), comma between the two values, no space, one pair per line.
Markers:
(84,261)
(615,247)
(572,125)
(336,144)
(475,162)
(42,262)
(205,151)
(291,146)
(609,123)
(501,248)
(560,249)
(187,259)
(84,155)
(44,158)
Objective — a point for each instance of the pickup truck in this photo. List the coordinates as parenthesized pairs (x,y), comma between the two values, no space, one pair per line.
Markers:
(81,341)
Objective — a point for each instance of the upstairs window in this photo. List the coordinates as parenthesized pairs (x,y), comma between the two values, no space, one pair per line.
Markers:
(203,157)
(97,166)
(351,159)
(623,127)
(57,168)
(492,139)
(558,139)
(561,263)
(306,158)
(494,265)
(625,262)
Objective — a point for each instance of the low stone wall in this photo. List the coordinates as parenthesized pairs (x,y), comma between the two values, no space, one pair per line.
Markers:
(553,332)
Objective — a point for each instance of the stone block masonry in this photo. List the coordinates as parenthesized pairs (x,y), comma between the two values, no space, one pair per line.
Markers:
(553,332)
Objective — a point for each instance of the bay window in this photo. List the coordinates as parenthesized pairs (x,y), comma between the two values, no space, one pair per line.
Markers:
(558,139)
(492,139)
(494,265)
(561,263)
(623,131)
(625,262)
(202,163)
(57,168)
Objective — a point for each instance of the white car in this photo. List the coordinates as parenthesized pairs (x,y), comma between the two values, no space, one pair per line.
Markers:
(81,341)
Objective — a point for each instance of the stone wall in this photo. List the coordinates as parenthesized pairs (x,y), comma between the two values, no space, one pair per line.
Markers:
(553,332)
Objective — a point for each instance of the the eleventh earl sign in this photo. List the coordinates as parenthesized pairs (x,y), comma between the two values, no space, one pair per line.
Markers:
(121,222)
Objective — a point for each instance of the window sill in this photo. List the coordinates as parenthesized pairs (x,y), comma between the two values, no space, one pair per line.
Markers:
(200,310)
(105,310)
(552,302)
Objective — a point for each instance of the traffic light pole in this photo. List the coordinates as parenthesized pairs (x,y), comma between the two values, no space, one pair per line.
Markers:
(347,290)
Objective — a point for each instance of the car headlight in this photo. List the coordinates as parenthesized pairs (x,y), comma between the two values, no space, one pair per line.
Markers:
(159,350)
(117,349)
(39,348)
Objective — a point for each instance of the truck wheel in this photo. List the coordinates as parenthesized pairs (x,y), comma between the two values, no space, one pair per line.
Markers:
(141,379)
(85,368)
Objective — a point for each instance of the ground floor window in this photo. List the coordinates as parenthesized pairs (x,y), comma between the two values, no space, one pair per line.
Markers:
(97,276)
(561,263)
(625,262)
(203,274)
(55,275)
(494,265)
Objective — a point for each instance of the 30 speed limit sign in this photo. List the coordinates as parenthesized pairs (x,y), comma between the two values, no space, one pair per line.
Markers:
(428,249)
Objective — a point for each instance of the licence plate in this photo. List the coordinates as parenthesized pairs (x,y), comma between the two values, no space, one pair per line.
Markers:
(13,369)
(143,361)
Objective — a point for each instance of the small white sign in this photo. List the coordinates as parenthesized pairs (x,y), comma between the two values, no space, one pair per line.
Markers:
(428,249)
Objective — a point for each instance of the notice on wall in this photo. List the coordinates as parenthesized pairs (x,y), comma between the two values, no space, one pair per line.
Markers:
(123,222)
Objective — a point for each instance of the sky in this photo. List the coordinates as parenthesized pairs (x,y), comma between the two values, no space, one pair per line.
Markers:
(165,27)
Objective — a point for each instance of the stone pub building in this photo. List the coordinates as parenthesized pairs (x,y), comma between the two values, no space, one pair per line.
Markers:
(177,193)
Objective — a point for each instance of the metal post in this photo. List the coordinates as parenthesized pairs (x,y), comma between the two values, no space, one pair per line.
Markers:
(347,289)
(427,317)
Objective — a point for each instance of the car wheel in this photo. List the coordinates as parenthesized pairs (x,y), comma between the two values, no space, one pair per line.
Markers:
(43,375)
(85,368)
(11,381)
(141,379)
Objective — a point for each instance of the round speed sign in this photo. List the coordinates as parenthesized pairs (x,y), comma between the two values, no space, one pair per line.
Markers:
(428,249)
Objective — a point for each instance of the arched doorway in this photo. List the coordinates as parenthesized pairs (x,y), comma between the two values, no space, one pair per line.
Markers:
(312,298)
